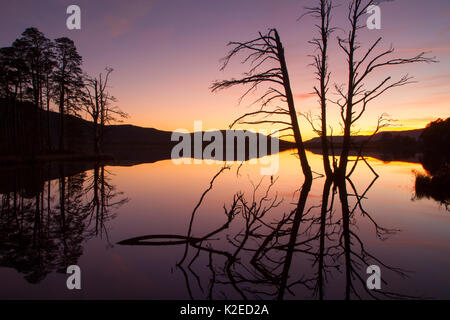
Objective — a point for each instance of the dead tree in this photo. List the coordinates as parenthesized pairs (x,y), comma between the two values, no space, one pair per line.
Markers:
(265,54)
(322,12)
(354,98)
(97,103)
(93,100)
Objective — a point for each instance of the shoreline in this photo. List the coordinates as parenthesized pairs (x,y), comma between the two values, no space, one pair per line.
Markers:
(44,158)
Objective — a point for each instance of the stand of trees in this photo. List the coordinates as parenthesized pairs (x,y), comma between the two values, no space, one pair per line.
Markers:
(36,75)
(434,146)
(436,161)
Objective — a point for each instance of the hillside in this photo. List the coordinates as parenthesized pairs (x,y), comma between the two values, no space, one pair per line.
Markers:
(125,142)
(410,135)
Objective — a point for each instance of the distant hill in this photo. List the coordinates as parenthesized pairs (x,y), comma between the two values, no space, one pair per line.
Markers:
(137,144)
(124,142)
(375,140)
(131,144)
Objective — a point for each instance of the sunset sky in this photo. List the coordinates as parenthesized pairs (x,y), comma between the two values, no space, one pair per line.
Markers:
(166,54)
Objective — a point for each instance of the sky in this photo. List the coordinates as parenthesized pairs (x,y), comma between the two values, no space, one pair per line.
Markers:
(166,54)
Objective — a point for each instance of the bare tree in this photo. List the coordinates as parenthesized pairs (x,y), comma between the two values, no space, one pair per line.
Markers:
(265,54)
(354,98)
(94,92)
(97,103)
(323,13)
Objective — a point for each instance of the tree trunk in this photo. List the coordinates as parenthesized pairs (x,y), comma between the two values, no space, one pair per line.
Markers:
(61,120)
(49,142)
(323,99)
(349,110)
(292,112)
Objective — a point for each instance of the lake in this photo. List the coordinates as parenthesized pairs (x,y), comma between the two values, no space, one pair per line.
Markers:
(238,244)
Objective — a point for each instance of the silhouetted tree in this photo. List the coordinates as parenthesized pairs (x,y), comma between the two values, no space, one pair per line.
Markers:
(94,91)
(436,161)
(97,103)
(14,75)
(434,145)
(13,83)
(37,50)
(67,80)
(48,69)
(354,97)
(323,13)
(268,66)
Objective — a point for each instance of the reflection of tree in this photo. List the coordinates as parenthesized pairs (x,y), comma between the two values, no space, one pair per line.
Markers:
(71,226)
(24,231)
(434,187)
(42,227)
(356,256)
(436,161)
(104,202)
(255,255)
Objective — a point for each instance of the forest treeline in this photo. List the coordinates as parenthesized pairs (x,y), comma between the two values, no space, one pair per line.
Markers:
(436,161)
(434,146)
(38,75)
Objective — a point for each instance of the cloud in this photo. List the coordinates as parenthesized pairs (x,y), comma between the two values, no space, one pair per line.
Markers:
(435,81)
(303,96)
(402,125)
(425,49)
(122,16)
(118,25)
(418,120)
(445,31)
(443,76)
(431,100)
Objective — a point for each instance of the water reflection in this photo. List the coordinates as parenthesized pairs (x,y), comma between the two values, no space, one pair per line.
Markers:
(434,187)
(235,236)
(45,221)
(434,183)
(259,257)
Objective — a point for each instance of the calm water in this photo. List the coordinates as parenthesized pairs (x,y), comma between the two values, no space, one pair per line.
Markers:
(81,213)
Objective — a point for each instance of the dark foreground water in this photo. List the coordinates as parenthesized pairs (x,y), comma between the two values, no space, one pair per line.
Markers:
(246,239)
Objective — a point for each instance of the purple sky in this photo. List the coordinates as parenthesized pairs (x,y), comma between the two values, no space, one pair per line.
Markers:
(166,53)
